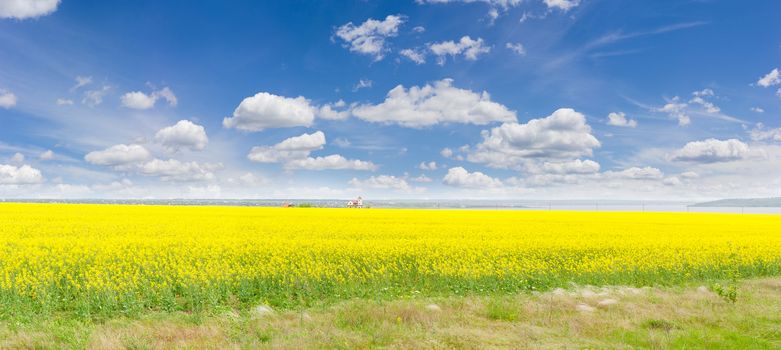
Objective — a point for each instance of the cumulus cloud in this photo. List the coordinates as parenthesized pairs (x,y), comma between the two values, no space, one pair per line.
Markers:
(22,9)
(422,178)
(183,135)
(19,175)
(46,155)
(460,177)
(636,173)
(433,104)
(334,162)
(414,55)
(17,158)
(517,48)
(297,147)
(495,3)
(757,110)
(676,109)
(175,170)
(759,133)
(7,99)
(343,143)
(428,166)
(699,98)
(564,5)
(620,119)
(711,151)
(672,181)
(564,134)
(113,186)
(576,166)
(94,97)
(118,155)
(770,79)
(265,110)
(140,100)
(369,37)
(335,111)
(467,47)
(295,153)
(699,105)
(381,182)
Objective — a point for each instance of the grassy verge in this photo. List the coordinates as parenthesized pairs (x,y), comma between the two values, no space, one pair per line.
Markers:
(688,317)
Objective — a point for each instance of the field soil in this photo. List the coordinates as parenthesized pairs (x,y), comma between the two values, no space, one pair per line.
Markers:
(691,317)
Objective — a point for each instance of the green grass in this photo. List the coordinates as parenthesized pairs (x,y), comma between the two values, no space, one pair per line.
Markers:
(678,317)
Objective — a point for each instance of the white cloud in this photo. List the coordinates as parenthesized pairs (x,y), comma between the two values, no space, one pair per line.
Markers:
(711,151)
(467,47)
(369,37)
(93,98)
(433,104)
(770,79)
(761,134)
(707,105)
(334,161)
(17,158)
(7,99)
(757,110)
(362,84)
(564,5)
(778,92)
(419,29)
(563,134)
(335,111)
(64,102)
(175,170)
(46,155)
(636,173)
(414,55)
(493,3)
(428,166)
(137,100)
(422,178)
(81,81)
(140,100)
(21,9)
(113,186)
(619,119)
(381,182)
(21,175)
(672,181)
(446,152)
(298,147)
(576,166)
(118,155)
(677,110)
(265,110)
(460,177)
(517,48)
(704,93)
(183,135)
(251,179)
(689,175)
(343,143)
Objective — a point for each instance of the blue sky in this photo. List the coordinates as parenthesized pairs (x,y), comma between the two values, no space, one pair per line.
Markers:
(396,99)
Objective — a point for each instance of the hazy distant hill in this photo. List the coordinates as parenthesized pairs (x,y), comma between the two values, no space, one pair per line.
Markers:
(745,202)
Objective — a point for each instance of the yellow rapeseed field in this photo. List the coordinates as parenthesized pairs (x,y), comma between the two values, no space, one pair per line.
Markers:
(93,258)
